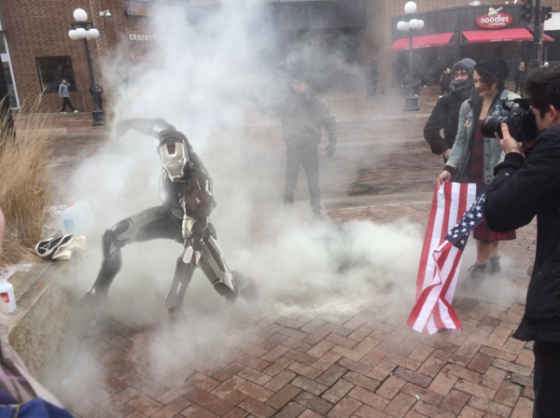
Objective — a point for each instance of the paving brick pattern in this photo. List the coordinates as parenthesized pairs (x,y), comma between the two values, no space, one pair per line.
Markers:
(368,364)
(364,363)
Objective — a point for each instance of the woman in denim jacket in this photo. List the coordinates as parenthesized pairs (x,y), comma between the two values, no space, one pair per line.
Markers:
(473,157)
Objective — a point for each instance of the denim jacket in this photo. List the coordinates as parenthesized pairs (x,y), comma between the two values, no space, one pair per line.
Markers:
(460,153)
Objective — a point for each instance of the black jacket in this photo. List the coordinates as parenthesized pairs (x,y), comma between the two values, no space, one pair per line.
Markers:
(521,190)
(444,116)
(302,117)
(520,76)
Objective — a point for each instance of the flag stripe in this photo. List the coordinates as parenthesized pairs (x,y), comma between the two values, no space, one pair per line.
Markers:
(458,207)
(425,259)
(455,212)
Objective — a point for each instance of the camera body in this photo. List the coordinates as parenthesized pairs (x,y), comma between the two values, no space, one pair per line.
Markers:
(520,120)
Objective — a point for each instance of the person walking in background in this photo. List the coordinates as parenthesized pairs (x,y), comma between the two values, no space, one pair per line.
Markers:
(302,115)
(65,96)
(473,157)
(520,76)
(446,113)
(99,91)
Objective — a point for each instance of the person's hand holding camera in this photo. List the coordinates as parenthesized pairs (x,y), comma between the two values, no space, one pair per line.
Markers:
(508,143)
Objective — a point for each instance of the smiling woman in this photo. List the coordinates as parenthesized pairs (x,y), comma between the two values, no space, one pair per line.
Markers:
(473,156)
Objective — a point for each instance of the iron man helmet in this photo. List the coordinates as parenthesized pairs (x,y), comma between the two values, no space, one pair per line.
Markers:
(174,157)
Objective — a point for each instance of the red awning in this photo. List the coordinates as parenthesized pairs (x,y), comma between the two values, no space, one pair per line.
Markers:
(545,37)
(500,35)
(427,41)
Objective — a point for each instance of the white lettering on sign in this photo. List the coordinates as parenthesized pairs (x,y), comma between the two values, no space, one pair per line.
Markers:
(494,19)
(147,38)
(130,11)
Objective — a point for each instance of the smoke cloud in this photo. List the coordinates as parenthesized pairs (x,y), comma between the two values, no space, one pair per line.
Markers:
(202,84)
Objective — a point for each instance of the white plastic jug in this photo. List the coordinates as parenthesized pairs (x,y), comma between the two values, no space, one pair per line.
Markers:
(76,218)
(7,294)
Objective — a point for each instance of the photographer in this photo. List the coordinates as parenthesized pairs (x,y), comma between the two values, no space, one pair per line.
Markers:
(474,156)
(526,186)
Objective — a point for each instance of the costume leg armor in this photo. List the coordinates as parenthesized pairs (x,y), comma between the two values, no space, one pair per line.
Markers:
(150,224)
(186,265)
(214,266)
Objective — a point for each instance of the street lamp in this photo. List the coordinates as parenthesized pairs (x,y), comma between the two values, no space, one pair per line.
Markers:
(82,29)
(411,99)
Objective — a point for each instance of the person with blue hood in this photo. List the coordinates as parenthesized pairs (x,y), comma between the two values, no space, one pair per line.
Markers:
(446,112)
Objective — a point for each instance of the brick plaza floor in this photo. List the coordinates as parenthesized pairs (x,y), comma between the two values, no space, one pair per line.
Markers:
(362,362)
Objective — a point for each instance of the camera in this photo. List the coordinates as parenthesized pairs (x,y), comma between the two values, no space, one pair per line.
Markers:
(520,120)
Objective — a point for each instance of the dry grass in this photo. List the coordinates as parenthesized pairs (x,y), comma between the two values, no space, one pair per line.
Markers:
(25,190)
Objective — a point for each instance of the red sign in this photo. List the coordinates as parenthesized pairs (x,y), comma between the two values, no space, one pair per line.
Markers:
(494,19)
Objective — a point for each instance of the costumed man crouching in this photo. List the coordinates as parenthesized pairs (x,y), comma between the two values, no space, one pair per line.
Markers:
(187,201)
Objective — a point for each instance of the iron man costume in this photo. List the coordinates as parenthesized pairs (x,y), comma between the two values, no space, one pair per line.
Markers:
(187,201)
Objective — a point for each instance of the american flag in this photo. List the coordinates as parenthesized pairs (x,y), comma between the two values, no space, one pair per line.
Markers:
(456,211)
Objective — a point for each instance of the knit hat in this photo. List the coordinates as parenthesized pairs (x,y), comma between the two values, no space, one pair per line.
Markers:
(466,64)
(463,88)
(496,66)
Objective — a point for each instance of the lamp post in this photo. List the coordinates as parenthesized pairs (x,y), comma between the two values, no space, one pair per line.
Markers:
(82,29)
(411,99)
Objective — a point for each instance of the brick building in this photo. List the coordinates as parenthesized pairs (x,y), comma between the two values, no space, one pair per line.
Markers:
(36,51)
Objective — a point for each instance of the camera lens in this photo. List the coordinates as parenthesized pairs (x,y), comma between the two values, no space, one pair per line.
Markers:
(492,126)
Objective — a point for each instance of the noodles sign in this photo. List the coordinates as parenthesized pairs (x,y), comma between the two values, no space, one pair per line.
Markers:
(494,19)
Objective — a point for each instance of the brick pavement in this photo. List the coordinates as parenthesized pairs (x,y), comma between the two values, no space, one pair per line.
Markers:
(362,362)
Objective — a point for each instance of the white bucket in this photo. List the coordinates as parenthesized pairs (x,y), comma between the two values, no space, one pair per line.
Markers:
(7,294)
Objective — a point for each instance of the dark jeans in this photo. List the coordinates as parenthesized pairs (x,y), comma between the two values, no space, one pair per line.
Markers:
(66,101)
(546,380)
(308,158)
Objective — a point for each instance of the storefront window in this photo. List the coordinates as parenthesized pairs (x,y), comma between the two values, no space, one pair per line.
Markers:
(9,84)
(2,44)
(7,71)
(52,70)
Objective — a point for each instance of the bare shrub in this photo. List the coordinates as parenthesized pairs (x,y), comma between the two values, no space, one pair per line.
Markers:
(25,189)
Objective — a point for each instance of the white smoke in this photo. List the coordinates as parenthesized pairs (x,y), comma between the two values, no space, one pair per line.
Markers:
(201,86)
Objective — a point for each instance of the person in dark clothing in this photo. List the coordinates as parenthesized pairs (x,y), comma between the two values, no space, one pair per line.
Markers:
(520,76)
(446,113)
(527,184)
(303,114)
(99,91)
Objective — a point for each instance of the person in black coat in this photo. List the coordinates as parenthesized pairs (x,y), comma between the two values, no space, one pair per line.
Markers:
(528,185)
(446,113)
(99,91)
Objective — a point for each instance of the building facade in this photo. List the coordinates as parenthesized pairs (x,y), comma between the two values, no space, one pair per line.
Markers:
(37,52)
